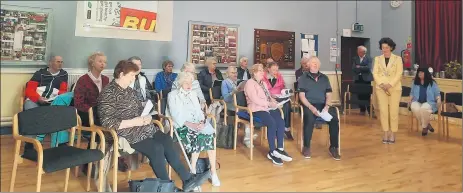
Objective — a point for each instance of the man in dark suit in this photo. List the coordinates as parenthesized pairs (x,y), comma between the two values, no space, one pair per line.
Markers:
(362,66)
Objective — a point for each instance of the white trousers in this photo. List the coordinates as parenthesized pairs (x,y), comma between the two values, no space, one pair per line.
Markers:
(422,112)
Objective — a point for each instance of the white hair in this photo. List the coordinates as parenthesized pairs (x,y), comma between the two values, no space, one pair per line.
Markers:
(363,48)
(188,65)
(184,77)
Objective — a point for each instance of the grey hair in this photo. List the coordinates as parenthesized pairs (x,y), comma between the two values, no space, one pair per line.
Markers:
(243,59)
(230,68)
(134,58)
(183,77)
(363,48)
(52,58)
(314,58)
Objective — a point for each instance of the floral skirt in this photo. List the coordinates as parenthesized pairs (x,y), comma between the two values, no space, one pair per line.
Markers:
(195,142)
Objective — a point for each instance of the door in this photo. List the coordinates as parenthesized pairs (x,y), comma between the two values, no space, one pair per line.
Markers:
(348,51)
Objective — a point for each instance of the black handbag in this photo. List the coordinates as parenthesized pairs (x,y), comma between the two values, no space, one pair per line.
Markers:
(203,165)
(152,185)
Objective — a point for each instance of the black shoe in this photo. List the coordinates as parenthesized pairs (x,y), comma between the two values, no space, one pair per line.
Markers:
(275,160)
(195,180)
(430,128)
(334,153)
(385,141)
(288,135)
(424,133)
(282,155)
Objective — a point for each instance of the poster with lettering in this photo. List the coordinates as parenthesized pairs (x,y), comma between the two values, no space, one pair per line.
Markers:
(138,15)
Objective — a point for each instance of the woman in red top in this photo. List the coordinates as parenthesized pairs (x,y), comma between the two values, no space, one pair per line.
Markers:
(89,86)
(275,84)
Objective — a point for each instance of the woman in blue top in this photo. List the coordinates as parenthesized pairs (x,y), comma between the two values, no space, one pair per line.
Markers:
(229,87)
(166,77)
(425,98)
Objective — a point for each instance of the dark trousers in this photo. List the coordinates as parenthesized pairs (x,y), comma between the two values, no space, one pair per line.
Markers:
(286,111)
(309,122)
(363,97)
(275,127)
(159,148)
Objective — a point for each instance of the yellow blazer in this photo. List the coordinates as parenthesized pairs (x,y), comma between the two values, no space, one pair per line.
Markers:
(392,74)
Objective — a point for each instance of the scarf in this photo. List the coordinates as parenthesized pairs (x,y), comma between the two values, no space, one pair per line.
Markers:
(267,94)
(168,79)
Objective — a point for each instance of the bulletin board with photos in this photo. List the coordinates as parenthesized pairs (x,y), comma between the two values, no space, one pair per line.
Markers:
(207,40)
(24,35)
(278,45)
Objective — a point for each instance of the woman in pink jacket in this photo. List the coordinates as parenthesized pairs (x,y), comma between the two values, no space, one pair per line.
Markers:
(275,84)
(260,103)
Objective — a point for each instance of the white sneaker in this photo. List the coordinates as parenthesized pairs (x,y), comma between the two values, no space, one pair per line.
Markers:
(197,189)
(248,143)
(215,180)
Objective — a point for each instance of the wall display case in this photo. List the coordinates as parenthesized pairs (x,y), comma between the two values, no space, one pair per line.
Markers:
(278,45)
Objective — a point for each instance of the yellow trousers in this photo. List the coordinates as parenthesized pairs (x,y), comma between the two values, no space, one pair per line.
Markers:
(389,109)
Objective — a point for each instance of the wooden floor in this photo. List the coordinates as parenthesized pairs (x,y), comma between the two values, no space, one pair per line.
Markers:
(414,163)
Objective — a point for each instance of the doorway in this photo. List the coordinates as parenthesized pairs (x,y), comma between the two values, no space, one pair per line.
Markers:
(348,51)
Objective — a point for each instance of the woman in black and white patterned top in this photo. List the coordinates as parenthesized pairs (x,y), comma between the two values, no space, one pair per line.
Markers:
(119,109)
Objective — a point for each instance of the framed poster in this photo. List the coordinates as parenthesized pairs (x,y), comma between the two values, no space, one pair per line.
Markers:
(212,40)
(278,45)
(139,15)
(24,35)
(136,20)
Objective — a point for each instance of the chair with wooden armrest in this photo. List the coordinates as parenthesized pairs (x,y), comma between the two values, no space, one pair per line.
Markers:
(413,118)
(215,94)
(450,98)
(22,98)
(359,89)
(46,120)
(320,121)
(240,102)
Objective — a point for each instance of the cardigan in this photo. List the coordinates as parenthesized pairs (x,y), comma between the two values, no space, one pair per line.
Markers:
(160,82)
(279,85)
(86,92)
(227,89)
(255,96)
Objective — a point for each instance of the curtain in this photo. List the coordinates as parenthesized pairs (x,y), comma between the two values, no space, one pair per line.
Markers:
(438,32)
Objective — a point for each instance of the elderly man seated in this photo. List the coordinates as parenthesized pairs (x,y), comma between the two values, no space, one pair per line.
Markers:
(44,86)
(315,95)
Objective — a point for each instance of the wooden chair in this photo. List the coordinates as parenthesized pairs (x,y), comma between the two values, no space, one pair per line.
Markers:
(115,154)
(301,131)
(413,118)
(22,98)
(359,89)
(49,119)
(215,94)
(239,100)
(450,98)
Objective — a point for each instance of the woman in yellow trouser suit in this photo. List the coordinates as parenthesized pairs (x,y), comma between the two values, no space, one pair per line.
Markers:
(387,73)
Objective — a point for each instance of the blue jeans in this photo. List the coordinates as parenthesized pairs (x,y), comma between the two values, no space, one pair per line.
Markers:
(275,127)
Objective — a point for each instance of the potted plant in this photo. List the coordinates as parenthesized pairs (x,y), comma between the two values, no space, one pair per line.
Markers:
(453,70)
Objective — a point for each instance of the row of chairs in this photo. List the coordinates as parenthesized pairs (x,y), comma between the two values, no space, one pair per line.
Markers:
(27,122)
(442,113)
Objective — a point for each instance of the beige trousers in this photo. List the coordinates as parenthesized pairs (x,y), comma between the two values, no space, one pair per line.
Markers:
(422,112)
(389,109)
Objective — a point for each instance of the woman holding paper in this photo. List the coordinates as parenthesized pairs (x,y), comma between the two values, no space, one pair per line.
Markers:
(387,73)
(120,110)
(260,102)
(194,130)
(275,84)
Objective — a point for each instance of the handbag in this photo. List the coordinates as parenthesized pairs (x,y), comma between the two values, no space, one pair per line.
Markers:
(225,136)
(152,185)
(203,165)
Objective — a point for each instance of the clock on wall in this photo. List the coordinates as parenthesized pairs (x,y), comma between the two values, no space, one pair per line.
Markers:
(396,4)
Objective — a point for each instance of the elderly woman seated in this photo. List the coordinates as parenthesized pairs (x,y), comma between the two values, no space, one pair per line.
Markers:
(194,130)
(119,109)
(275,84)
(263,106)
(207,77)
(230,87)
(166,77)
